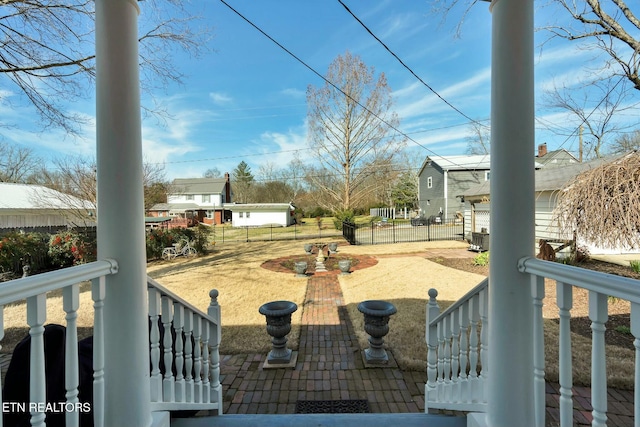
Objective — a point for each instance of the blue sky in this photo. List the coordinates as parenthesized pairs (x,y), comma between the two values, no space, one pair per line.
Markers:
(246,99)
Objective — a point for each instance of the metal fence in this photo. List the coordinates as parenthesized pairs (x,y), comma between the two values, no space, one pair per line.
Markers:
(384,232)
(271,233)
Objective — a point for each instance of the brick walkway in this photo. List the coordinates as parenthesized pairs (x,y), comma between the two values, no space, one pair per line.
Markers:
(330,367)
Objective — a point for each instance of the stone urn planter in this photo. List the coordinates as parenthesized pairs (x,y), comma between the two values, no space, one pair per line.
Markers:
(300,268)
(344,265)
(278,314)
(308,247)
(333,247)
(376,324)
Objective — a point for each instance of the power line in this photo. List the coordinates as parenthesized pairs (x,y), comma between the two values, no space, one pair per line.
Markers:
(407,67)
(398,131)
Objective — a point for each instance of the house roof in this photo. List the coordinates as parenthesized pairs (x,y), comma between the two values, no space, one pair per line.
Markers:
(199,185)
(548,179)
(551,158)
(25,196)
(463,162)
(258,206)
(179,207)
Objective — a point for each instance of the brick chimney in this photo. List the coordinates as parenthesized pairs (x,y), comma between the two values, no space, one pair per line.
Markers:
(227,188)
(542,149)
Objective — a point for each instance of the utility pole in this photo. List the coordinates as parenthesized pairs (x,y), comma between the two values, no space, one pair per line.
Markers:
(580,144)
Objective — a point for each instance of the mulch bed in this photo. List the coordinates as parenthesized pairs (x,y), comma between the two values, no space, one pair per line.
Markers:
(285,264)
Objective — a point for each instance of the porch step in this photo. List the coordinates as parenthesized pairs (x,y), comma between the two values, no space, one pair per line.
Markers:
(322,420)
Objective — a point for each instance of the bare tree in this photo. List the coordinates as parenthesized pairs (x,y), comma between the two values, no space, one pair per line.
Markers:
(48,52)
(479,139)
(612,27)
(602,205)
(17,164)
(626,142)
(596,109)
(351,131)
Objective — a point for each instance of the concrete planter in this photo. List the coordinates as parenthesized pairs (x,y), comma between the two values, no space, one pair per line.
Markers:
(333,247)
(376,324)
(300,268)
(278,314)
(307,248)
(344,265)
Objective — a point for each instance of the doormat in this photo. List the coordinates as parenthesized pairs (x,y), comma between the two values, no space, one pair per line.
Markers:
(332,407)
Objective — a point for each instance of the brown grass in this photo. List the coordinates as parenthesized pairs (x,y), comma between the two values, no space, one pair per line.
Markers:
(401,277)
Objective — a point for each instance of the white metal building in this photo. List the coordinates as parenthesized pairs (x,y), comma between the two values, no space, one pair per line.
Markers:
(260,214)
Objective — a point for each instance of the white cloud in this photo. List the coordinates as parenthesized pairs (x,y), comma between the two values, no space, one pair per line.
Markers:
(220,98)
(294,93)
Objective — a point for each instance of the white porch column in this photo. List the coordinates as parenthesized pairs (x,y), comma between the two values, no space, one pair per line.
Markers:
(510,389)
(121,213)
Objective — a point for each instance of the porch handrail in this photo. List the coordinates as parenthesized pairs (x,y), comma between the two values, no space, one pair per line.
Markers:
(609,284)
(184,352)
(34,289)
(601,286)
(457,351)
(25,287)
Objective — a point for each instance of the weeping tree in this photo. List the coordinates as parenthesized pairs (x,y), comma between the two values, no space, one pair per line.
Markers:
(602,205)
(351,132)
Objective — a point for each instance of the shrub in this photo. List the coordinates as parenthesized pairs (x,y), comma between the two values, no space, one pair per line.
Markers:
(481,259)
(201,238)
(635,265)
(160,238)
(69,248)
(17,249)
(345,215)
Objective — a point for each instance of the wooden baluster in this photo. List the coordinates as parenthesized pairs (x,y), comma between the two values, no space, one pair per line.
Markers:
(168,385)
(455,355)
(178,325)
(206,391)
(598,316)
(36,316)
(446,322)
(70,304)
(474,317)
(197,358)
(564,298)
(484,342)
(188,354)
(635,331)
(433,310)
(537,293)
(98,295)
(440,381)
(154,337)
(214,312)
(463,319)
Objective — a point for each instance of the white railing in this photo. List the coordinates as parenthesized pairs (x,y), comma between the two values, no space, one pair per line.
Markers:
(600,286)
(457,352)
(34,289)
(184,352)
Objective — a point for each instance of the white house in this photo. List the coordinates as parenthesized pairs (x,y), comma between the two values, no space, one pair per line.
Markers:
(548,184)
(259,214)
(198,198)
(30,206)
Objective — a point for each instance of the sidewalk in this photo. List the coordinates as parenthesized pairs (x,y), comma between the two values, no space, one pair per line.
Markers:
(330,367)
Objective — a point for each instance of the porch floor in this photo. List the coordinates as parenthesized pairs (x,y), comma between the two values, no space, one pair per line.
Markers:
(330,367)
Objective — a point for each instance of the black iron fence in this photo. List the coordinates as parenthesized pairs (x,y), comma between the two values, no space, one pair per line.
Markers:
(397,231)
(222,234)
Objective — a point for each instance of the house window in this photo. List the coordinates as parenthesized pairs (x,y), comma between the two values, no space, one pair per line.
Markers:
(429,182)
(189,197)
(487,175)
(206,198)
(240,214)
(210,214)
(248,213)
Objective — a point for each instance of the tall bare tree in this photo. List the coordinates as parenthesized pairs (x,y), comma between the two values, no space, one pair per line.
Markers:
(351,131)
(17,164)
(610,25)
(626,142)
(596,109)
(48,51)
(479,139)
